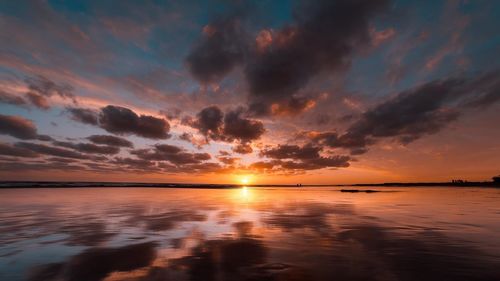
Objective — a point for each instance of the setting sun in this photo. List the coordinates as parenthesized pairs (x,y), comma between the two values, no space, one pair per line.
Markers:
(245,180)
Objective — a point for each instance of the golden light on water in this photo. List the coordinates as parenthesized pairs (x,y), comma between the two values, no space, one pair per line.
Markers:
(245,194)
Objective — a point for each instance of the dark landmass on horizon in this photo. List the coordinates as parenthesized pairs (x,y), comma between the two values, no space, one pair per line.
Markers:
(66,184)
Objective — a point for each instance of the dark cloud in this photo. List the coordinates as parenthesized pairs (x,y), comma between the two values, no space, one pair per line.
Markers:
(50,150)
(243,148)
(110,140)
(339,161)
(352,142)
(11,99)
(84,115)
(10,150)
(89,147)
(133,163)
(233,126)
(17,127)
(170,153)
(262,165)
(409,115)
(323,36)
(209,122)
(121,120)
(292,152)
(19,166)
(221,48)
(294,157)
(44,138)
(417,112)
(291,106)
(482,91)
(205,167)
(236,127)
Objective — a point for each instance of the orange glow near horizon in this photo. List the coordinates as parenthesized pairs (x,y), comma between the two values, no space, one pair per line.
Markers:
(245,179)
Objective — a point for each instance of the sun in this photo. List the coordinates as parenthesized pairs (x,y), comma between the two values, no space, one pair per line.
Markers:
(245,180)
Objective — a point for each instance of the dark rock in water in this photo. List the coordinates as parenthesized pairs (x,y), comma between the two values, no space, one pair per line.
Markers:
(359,190)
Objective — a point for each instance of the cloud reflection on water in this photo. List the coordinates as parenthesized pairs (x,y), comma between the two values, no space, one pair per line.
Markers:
(268,234)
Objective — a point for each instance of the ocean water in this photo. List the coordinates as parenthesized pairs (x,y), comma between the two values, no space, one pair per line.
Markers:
(400,233)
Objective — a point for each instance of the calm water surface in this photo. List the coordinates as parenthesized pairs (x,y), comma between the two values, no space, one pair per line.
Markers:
(249,234)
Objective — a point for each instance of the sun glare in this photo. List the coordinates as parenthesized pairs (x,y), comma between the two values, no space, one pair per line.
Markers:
(245,180)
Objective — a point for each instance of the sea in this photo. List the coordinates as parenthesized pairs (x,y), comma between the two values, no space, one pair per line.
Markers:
(250,233)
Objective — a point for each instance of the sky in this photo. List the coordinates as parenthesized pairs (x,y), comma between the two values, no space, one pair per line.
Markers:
(262,92)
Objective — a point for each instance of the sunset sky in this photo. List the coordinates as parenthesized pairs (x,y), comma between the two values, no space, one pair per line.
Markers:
(311,92)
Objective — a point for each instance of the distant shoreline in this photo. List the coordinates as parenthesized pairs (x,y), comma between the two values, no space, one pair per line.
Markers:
(57,184)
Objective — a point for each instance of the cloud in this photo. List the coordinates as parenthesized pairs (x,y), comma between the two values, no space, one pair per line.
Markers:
(173,154)
(89,147)
(323,37)
(123,121)
(198,142)
(299,158)
(232,126)
(239,128)
(220,49)
(338,161)
(110,140)
(228,160)
(50,150)
(412,114)
(17,127)
(11,99)
(9,150)
(38,100)
(292,151)
(83,115)
(243,148)
(133,163)
(209,122)
(18,166)
(40,89)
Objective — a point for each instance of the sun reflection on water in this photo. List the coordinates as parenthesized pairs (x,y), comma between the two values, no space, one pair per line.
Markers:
(245,194)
